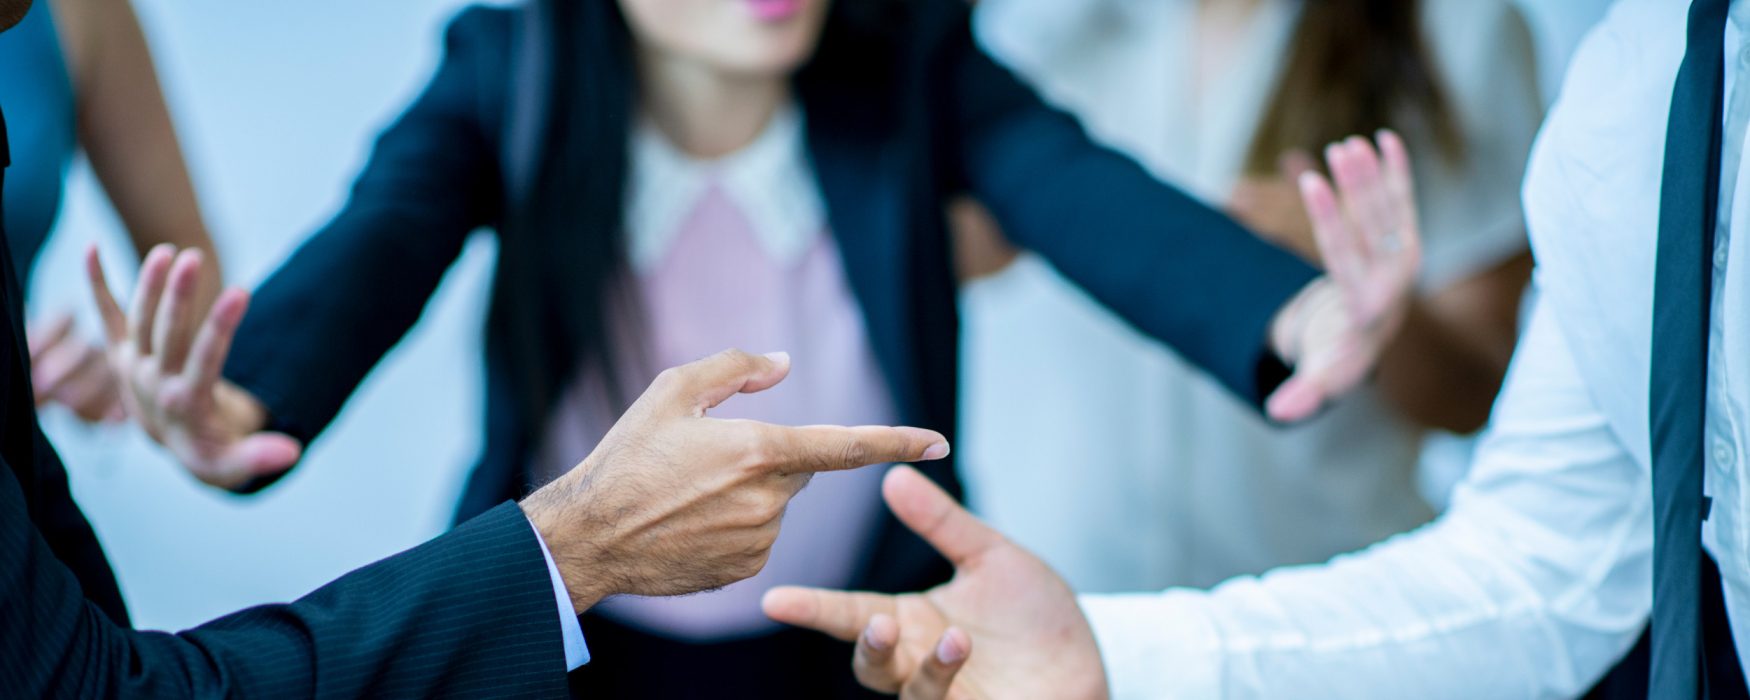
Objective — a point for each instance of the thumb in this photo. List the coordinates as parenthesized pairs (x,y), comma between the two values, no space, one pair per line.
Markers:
(703,384)
(1296,400)
(263,454)
(932,513)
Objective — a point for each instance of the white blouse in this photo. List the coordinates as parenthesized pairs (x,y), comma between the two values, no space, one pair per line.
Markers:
(1121,465)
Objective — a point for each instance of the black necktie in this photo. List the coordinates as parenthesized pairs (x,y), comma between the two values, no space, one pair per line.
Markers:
(1688,212)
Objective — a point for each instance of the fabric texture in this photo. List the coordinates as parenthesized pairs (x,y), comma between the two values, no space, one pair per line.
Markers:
(1683,286)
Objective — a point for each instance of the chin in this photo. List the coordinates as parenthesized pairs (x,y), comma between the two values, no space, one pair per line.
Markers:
(772,57)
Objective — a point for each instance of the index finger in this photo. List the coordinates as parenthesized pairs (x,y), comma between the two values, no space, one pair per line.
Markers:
(1336,239)
(40,339)
(701,385)
(115,324)
(841,614)
(821,448)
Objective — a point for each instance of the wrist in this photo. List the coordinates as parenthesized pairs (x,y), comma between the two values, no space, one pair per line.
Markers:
(586,579)
(1289,326)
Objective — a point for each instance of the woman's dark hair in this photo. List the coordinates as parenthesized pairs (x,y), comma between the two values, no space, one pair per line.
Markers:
(562,254)
(562,276)
(1355,66)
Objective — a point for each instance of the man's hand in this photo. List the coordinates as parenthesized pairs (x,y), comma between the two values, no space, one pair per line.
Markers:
(672,501)
(1005,627)
(69,371)
(169,363)
(1335,329)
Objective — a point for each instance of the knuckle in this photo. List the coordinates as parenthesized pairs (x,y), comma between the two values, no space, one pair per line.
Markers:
(854,453)
(770,507)
(736,355)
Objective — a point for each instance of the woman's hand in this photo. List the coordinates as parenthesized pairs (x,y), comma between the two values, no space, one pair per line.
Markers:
(169,363)
(1335,330)
(1006,627)
(67,370)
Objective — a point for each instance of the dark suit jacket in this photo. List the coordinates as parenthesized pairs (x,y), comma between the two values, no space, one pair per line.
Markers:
(468,614)
(889,148)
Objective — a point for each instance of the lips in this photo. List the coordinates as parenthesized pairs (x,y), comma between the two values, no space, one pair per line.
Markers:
(774,10)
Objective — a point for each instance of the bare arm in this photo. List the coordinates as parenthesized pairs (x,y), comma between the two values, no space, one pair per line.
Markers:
(125,129)
(1447,363)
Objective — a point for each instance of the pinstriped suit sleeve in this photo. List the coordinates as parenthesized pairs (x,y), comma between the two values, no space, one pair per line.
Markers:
(469,613)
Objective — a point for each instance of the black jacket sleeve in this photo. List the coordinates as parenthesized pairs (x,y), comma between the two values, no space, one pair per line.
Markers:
(351,292)
(1165,262)
(470,613)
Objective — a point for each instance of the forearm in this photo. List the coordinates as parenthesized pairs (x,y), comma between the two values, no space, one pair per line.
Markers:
(469,612)
(1444,368)
(1439,377)
(127,133)
(1391,622)
(1531,585)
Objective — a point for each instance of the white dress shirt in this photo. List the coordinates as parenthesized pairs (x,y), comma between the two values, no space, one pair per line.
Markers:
(1540,575)
(1177,482)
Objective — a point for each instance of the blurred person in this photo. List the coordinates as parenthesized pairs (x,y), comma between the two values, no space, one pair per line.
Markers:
(1559,25)
(666,178)
(1609,496)
(1176,483)
(78,76)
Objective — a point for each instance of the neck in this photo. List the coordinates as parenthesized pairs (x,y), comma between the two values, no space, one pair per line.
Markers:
(704,112)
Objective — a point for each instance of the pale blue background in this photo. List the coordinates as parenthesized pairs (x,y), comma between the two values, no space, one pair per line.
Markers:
(276,104)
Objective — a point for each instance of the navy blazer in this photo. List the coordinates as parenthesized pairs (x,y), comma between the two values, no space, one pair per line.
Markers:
(889,149)
(469,614)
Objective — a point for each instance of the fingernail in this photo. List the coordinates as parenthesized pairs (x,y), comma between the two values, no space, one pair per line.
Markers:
(948,652)
(780,357)
(869,639)
(936,451)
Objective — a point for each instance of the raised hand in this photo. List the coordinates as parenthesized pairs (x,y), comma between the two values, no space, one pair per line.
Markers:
(1005,627)
(673,501)
(69,371)
(169,362)
(1335,330)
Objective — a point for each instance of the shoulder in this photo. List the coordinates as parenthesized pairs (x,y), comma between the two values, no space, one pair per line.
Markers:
(483,31)
(1591,198)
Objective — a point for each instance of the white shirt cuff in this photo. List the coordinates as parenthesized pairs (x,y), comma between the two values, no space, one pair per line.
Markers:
(1155,645)
(576,652)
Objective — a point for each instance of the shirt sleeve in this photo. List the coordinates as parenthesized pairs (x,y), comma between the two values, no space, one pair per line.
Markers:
(1535,581)
(576,652)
